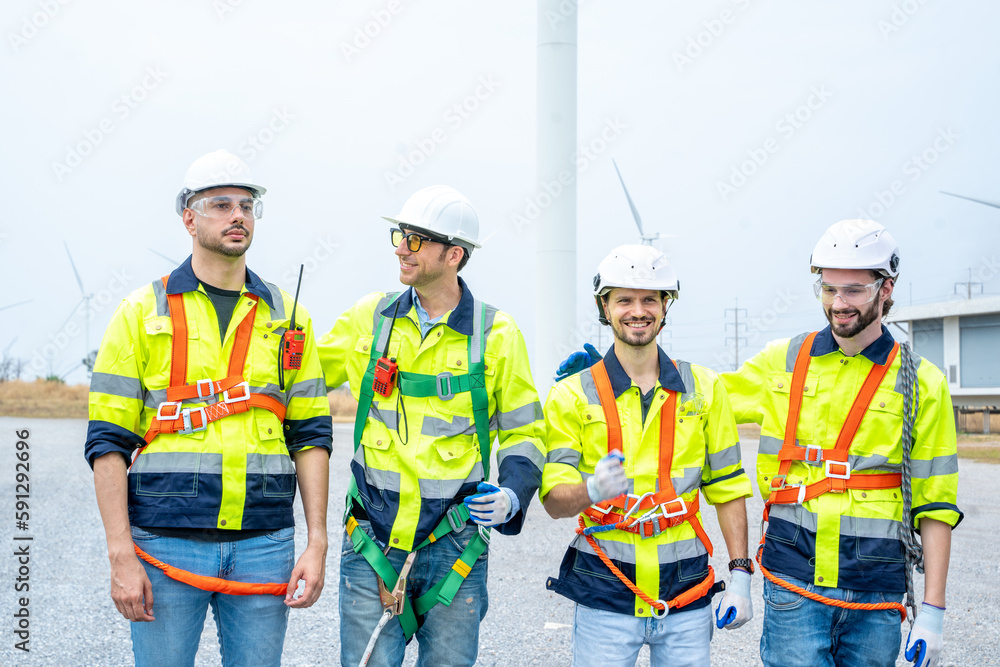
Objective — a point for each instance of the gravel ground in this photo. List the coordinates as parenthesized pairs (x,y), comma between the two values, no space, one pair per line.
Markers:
(73,621)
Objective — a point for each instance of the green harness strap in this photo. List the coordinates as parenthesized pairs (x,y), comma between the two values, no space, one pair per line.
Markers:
(417,385)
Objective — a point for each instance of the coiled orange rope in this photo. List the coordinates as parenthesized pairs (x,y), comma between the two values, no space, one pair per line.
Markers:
(212,583)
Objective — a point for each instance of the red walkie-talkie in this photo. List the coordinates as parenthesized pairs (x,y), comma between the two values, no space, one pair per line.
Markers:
(293,342)
(385,367)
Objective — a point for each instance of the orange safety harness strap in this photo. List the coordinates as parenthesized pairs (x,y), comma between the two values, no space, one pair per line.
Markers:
(212,583)
(675,510)
(236,395)
(838,471)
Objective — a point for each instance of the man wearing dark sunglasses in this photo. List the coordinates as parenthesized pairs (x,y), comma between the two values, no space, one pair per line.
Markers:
(438,375)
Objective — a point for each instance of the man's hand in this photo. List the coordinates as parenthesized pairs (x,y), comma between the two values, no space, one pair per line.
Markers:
(490,507)
(578,361)
(310,568)
(609,480)
(736,607)
(923,644)
(131,589)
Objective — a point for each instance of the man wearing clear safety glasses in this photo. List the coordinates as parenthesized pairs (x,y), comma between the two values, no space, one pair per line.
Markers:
(857,455)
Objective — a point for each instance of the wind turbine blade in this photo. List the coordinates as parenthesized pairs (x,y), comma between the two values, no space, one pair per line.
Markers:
(72,313)
(19,303)
(169,259)
(9,345)
(978,201)
(635,213)
(75,272)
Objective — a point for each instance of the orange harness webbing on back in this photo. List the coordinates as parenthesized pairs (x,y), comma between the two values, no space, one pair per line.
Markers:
(212,583)
(626,513)
(235,398)
(837,466)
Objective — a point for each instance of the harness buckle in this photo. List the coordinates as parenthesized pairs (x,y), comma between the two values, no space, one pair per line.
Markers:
(667,514)
(186,415)
(813,459)
(171,417)
(455,519)
(602,510)
(838,475)
(635,508)
(484,534)
(444,380)
(204,392)
(244,395)
(778,482)
(802,493)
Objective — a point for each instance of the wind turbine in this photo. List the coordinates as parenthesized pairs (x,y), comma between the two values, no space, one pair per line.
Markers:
(160,254)
(646,239)
(90,355)
(978,201)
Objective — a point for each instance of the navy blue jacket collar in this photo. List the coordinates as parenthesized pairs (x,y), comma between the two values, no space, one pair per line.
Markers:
(620,380)
(460,319)
(182,280)
(877,352)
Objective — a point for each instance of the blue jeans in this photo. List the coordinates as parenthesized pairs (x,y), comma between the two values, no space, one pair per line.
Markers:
(448,636)
(609,639)
(251,627)
(802,632)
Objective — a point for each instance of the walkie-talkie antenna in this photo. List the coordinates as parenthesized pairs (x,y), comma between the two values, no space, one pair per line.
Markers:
(295,303)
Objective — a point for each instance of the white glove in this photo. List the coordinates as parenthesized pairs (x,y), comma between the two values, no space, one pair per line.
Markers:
(609,480)
(736,607)
(490,506)
(923,644)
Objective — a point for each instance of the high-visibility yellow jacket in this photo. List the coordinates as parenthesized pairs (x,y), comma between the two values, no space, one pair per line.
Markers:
(706,458)
(236,474)
(419,456)
(850,539)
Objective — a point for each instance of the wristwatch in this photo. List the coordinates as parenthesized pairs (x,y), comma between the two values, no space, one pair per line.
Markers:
(744,563)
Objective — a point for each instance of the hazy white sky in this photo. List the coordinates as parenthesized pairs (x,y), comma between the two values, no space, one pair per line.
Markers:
(743,129)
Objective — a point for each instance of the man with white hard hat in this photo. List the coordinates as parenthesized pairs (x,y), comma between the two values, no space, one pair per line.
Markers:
(631,442)
(202,424)
(857,455)
(438,375)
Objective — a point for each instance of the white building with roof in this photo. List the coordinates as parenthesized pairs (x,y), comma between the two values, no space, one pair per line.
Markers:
(962,338)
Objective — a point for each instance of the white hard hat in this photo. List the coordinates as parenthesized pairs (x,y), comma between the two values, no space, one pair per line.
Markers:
(634,267)
(857,244)
(444,211)
(218,169)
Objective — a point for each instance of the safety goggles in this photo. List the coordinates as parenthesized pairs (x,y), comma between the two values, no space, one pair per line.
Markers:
(413,240)
(852,295)
(222,207)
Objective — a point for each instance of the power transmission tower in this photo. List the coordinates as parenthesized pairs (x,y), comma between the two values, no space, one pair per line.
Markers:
(737,333)
(968,286)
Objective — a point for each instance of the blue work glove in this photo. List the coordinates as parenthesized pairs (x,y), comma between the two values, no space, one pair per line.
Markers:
(609,480)
(736,607)
(578,361)
(491,506)
(923,644)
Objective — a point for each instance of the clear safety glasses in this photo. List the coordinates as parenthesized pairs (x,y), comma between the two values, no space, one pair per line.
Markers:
(413,240)
(852,295)
(223,206)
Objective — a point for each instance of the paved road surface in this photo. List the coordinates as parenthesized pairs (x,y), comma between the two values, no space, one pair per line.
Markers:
(73,621)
